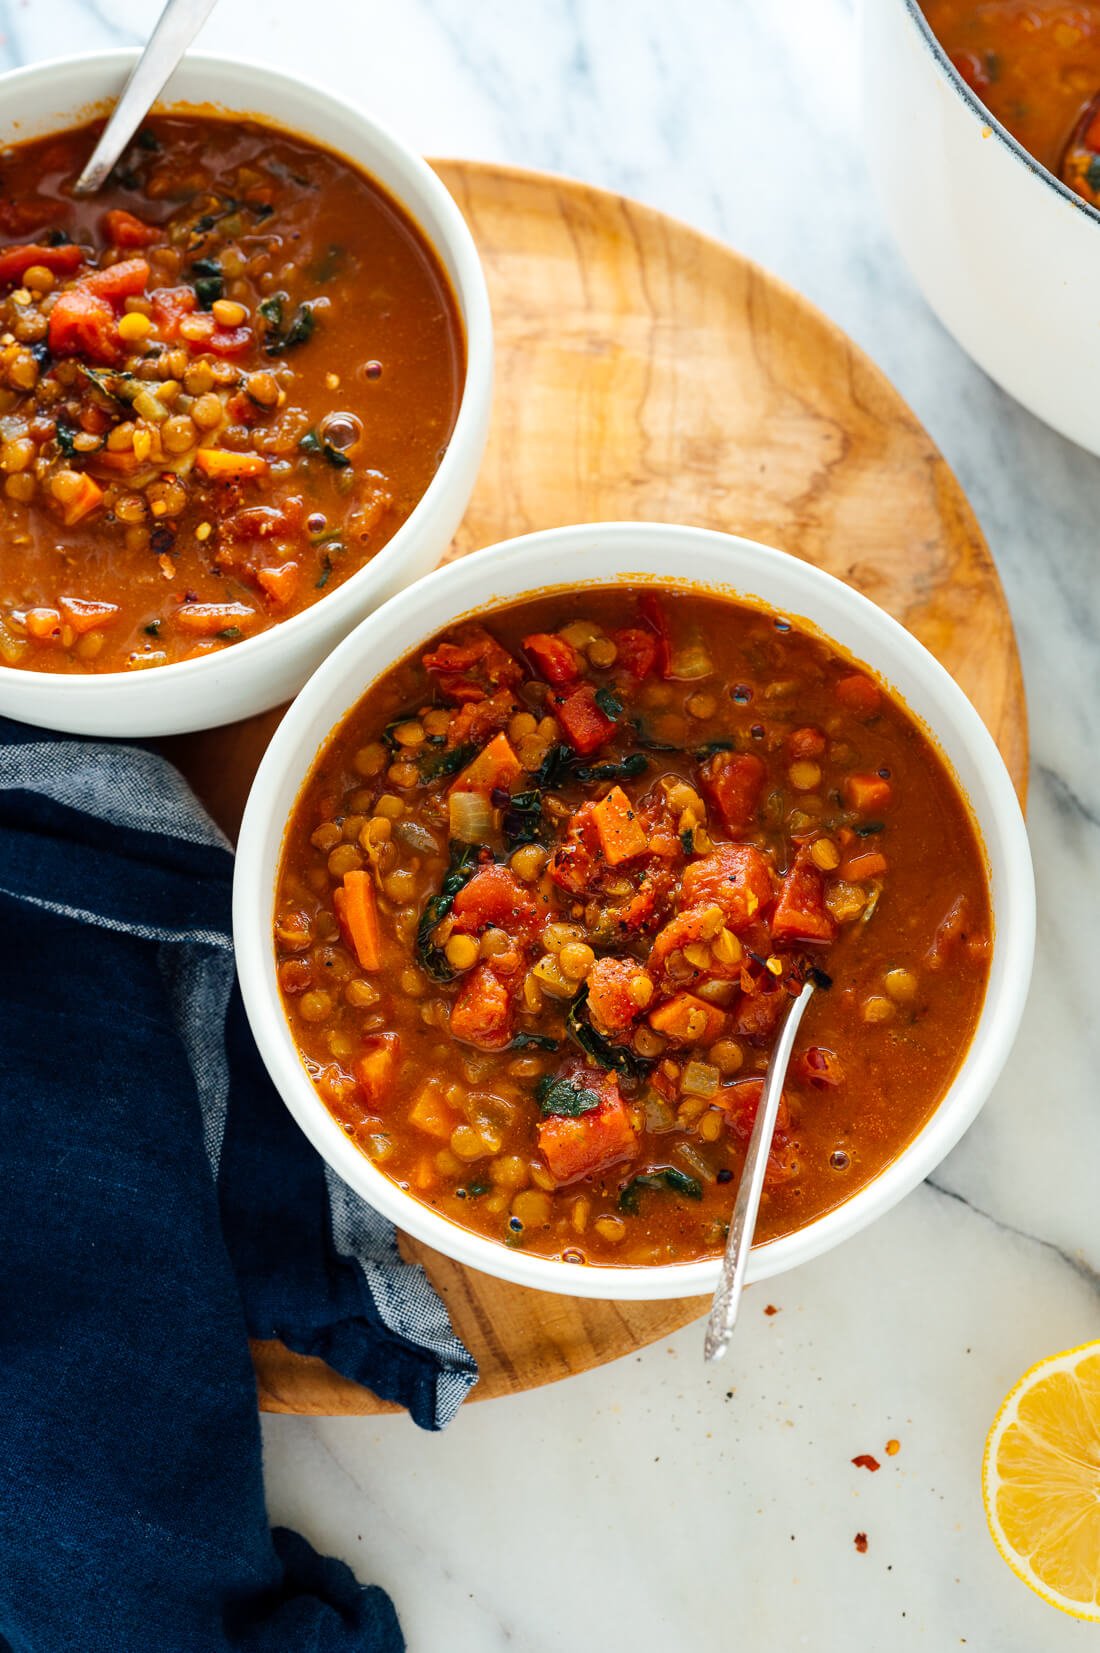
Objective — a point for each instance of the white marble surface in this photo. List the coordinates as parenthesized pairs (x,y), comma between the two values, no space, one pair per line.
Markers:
(651,1505)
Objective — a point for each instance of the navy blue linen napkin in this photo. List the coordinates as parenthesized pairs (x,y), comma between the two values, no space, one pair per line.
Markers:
(157,1206)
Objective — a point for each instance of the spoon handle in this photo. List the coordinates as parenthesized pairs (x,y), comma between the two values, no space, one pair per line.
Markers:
(727,1297)
(177,26)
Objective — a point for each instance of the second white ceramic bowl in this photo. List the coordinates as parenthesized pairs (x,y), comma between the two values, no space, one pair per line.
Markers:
(263,670)
(632,553)
(1005,254)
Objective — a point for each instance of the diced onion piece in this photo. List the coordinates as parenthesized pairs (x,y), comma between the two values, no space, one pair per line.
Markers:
(658,1115)
(691,659)
(471,817)
(699,1079)
(150,407)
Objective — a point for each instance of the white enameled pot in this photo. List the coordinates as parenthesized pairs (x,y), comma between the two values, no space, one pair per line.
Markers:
(630,554)
(263,670)
(1005,254)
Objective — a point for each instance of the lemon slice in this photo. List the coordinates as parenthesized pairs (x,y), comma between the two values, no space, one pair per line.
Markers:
(1041,1480)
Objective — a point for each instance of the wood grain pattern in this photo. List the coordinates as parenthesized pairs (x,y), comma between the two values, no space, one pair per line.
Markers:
(645,371)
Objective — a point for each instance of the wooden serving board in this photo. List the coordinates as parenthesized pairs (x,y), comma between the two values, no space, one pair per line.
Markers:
(645,371)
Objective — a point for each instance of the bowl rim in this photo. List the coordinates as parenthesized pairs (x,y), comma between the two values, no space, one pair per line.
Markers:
(467,587)
(469,290)
(986,115)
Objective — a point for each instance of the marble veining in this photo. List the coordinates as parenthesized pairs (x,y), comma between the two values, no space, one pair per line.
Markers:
(655,1504)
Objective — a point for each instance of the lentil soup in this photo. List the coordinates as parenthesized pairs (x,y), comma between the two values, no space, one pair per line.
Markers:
(547,890)
(1035,64)
(225,383)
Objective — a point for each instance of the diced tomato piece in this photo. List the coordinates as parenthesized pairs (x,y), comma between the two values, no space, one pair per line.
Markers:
(84,616)
(756,1015)
(263,522)
(652,611)
(476,720)
(957,930)
(585,726)
(973,69)
(555,659)
(637,651)
(122,229)
(734,782)
(806,743)
(800,911)
(574,864)
(495,896)
(618,828)
(682,930)
(496,768)
(81,324)
(126,279)
(736,876)
(740,1103)
(859,694)
(867,794)
(376,1069)
(593,1141)
(482,1013)
(477,662)
(688,1020)
(612,1005)
(819,1067)
(170,305)
(230,341)
(16,261)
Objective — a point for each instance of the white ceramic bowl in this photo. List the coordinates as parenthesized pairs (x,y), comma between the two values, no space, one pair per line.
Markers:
(1006,255)
(570,558)
(263,670)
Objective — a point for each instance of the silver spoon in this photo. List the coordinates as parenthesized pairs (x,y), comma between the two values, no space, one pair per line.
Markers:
(177,26)
(727,1297)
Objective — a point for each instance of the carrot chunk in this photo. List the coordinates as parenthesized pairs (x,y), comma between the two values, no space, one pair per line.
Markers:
(688,1020)
(868,865)
(88,498)
(83,615)
(867,793)
(620,832)
(208,619)
(357,911)
(220,463)
(429,1113)
(281,582)
(496,766)
(376,1068)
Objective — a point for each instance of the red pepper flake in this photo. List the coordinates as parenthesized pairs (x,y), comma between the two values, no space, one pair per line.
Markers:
(861,1542)
(893,1448)
(770,1308)
(865,1461)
